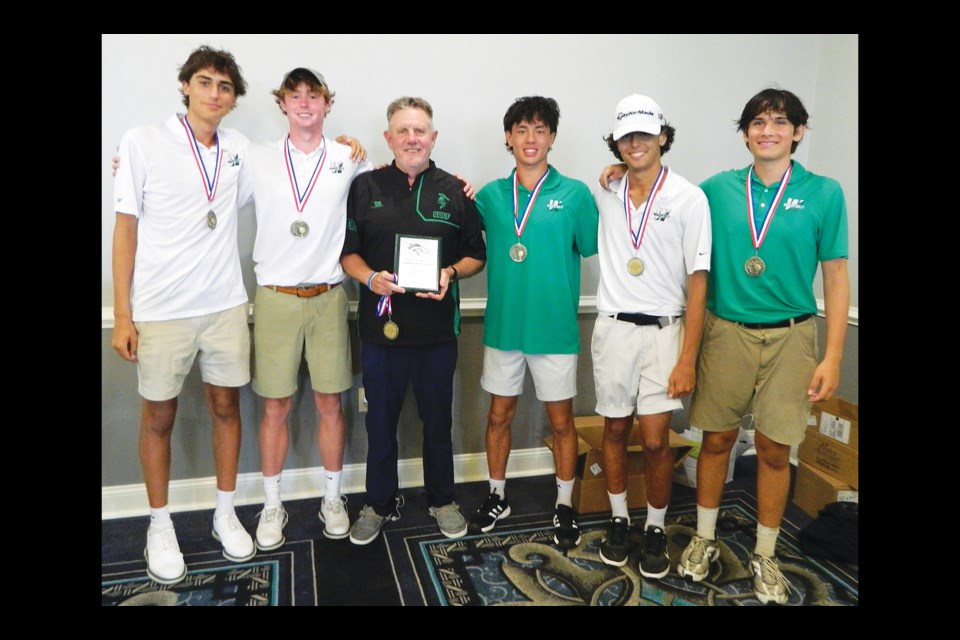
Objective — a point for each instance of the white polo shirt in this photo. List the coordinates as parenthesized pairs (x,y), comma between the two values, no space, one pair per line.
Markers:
(282,258)
(183,268)
(676,242)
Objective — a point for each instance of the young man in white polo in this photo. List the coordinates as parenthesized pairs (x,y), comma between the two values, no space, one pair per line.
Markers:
(300,185)
(178,290)
(654,250)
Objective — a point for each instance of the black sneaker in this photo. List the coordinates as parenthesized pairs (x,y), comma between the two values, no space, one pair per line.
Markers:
(566,531)
(654,561)
(616,546)
(492,509)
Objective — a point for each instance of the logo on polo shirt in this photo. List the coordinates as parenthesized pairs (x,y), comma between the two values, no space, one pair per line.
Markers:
(377,204)
(336,167)
(442,200)
(661,214)
(234,160)
(793,203)
(555,205)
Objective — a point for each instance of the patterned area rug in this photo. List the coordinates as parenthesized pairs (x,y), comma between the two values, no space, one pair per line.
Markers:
(517,564)
(212,581)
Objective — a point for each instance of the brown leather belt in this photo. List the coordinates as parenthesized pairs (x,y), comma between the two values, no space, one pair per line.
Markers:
(303,292)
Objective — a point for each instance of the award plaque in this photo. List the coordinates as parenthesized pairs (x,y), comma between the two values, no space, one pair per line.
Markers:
(211,219)
(299,229)
(417,263)
(634,266)
(518,252)
(754,266)
(391,330)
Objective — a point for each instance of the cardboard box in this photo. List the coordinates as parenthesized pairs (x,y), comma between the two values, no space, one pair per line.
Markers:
(831,456)
(816,489)
(838,419)
(590,484)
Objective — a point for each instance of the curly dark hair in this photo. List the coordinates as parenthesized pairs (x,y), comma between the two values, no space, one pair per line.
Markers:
(205,57)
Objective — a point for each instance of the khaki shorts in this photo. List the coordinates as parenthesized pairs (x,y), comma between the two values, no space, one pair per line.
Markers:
(167,350)
(772,368)
(632,366)
(554,374)
(287,328)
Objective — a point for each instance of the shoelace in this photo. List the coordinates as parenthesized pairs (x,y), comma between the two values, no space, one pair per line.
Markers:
(653,541)
(447,508)
(770,573)
(396,510)
(698,549)
(618,534)
(493,506)
(164,539)
(335,506)
(272,515)
(564,517)
(368,512)
(230,523)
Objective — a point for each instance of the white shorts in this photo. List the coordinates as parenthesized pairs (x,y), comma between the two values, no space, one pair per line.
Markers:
(167,348)
(554,374)
(632,366)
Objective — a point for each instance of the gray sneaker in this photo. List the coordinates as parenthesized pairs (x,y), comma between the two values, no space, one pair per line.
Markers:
(452,524)
(367,526)
(768,580)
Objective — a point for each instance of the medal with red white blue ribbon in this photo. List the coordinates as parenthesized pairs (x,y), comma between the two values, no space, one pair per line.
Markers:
(518,252)
(635,265)
(300,228)
(755,266)
(209,184)
(385,308)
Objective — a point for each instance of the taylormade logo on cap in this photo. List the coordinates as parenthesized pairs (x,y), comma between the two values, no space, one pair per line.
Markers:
(637,113)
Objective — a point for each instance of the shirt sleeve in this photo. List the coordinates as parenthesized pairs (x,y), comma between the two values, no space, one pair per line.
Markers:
(832,242)
(471,240)
(587,220)
(351,240)
(131,176)
(697,235)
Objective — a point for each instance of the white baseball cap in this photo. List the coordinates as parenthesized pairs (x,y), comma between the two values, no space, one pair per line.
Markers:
(637,113)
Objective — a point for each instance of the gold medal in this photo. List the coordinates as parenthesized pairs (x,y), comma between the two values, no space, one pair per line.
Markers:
(518,252)
(391,330)
(299,229)
(634,266)
(211,219)
(754,266)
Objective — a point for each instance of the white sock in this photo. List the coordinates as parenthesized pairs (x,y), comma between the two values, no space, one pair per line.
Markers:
(656,517)
(618,505)
(707,522)
(333,484)
(766,541)
(224,503)
(499,487)
(271,490)
(564,492)
(160,517)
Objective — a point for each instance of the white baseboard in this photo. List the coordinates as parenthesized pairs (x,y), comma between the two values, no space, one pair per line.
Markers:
(124,501)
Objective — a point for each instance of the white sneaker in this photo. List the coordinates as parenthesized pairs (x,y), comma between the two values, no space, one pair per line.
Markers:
(164,560)
(270,528)
(768,580)
(333,513)
(237,544)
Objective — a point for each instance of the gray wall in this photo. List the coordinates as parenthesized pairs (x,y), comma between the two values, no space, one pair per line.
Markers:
(192,453)
(700,81)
